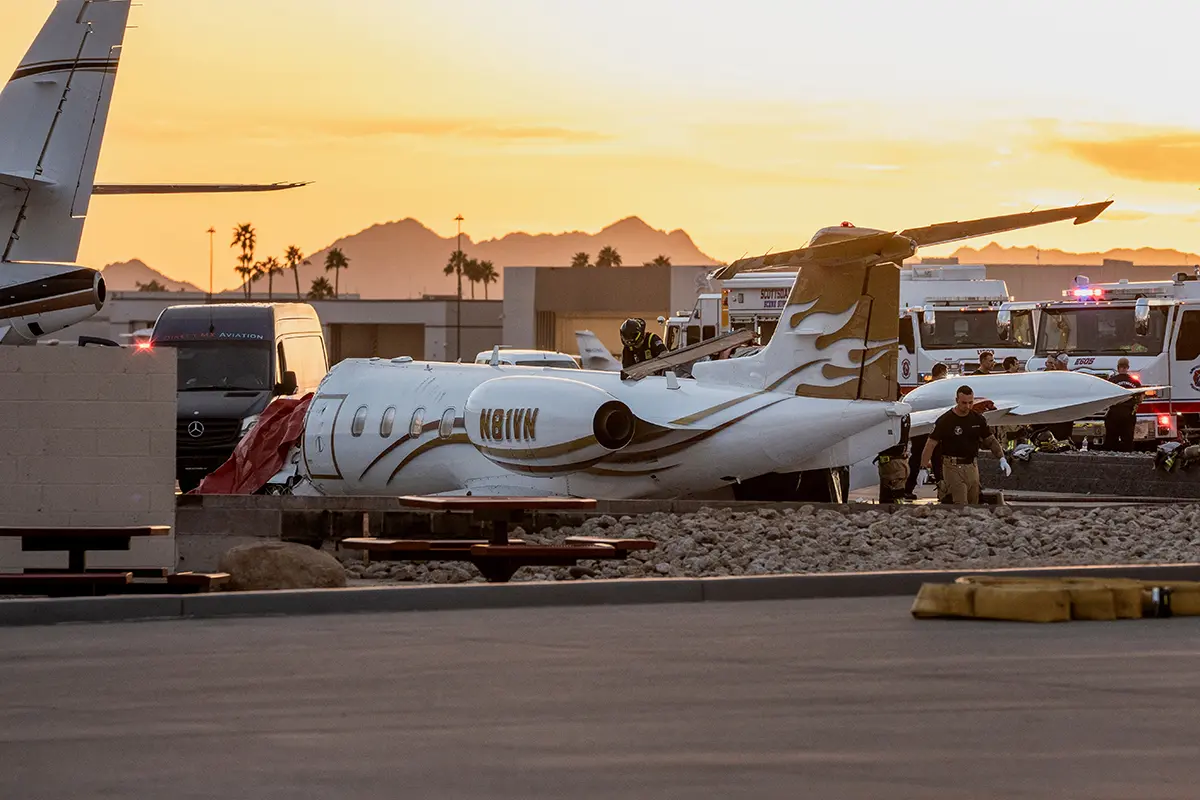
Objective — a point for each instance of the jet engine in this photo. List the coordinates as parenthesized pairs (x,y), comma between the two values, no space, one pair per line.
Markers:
(546,426)
(52,301)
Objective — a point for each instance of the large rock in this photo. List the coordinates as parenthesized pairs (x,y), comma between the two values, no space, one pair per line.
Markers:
(281,565)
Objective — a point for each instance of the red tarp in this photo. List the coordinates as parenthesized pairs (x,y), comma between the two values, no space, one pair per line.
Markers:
(261,452)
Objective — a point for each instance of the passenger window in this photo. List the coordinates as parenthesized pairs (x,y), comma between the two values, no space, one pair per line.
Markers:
(1187,346)
(385,424)
(306,357)
(693,334)
(446,427)
(710,332)
(672,337)
(907,340)
(359,422)
(418,422)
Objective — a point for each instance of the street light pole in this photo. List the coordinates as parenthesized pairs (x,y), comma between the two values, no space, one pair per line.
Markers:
(211,231)
(458,266)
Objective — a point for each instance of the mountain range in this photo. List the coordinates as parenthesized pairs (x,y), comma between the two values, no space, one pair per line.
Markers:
(406,259)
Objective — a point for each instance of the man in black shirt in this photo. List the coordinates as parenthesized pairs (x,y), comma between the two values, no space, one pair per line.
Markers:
(1121,419)
(960,432)
(987,361)
(639,345)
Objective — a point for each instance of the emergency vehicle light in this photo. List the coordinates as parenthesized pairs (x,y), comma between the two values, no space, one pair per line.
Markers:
(1094,291)
(143,345)
(1164,421)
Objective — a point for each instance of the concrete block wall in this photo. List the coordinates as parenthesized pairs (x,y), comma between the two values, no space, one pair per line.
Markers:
(87,437)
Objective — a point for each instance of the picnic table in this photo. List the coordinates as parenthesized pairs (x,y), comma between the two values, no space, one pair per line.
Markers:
(498,557)
(78,578)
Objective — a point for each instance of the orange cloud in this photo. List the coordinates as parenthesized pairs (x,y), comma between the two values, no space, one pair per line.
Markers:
(1167,157)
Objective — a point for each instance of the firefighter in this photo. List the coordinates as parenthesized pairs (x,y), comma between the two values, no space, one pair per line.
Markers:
(893,473)
(960,432)
(1120,420)
(639,345)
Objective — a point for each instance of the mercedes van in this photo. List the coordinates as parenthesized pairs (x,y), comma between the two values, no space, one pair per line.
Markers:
(234,359)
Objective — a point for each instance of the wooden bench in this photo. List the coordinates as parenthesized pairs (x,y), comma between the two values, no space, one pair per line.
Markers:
(77,541)
(66,584)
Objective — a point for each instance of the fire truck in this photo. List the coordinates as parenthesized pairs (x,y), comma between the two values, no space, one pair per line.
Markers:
(1155,324)
(948,314)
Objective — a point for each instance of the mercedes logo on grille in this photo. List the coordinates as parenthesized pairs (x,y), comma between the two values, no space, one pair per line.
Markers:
(195,429)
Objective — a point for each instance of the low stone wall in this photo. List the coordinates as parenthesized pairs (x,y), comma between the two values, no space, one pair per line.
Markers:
(1090,473)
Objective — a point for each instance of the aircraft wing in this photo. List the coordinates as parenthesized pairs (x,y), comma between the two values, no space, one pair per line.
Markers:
(1026,398)
(883,247)
(191,188)
(944,232)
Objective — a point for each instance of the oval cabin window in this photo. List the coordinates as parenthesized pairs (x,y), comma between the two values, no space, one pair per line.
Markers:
(385,424)
(447,425)
(359,422)
(418,421)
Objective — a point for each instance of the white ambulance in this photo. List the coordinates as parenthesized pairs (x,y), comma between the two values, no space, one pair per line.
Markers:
(1155,324)
(948,314)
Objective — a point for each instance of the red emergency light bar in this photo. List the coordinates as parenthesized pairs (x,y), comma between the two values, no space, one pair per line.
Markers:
(1094,292)
(1164,421)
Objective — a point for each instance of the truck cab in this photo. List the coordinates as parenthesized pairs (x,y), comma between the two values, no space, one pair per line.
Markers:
(707,320)
(948,315)
(1154,324)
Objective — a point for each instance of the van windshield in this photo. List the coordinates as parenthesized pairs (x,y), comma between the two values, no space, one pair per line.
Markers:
(1099,331)
(223,366)
(975,329)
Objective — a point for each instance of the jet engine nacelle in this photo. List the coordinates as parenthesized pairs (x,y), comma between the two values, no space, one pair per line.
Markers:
(55,297)
(546,426)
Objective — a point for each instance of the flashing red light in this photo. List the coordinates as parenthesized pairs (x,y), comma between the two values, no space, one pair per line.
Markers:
(1091,292)
(1164,421)
(1137,376)
(143,345)
(846,224)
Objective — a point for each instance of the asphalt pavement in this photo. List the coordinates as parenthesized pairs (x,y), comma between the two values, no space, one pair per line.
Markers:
(810,698)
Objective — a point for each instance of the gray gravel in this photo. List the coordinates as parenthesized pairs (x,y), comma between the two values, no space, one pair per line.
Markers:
(715,542)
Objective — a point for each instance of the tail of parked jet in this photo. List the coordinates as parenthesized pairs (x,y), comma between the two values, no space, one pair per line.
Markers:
(838,335)
(52,117)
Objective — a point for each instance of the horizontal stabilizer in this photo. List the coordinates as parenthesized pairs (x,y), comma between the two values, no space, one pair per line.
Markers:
(23,179)
(944,232)
(192,188)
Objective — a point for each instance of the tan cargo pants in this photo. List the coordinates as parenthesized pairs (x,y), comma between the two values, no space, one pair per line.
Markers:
(962,481)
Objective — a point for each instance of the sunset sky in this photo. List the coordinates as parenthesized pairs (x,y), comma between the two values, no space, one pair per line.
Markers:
(749,125)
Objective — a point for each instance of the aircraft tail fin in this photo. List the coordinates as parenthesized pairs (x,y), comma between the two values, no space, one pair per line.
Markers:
(53,112)
(837,337)
(594,354)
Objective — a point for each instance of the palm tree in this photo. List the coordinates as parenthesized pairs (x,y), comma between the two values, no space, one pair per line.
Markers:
(471,273)
(294,258)
(321,289)
(271,267)
(487,274)
(244,236)
(456,265)
(336,260)
(659,261)
(581,259)
(608,257)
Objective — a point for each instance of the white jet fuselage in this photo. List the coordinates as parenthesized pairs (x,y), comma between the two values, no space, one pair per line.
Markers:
(383,427)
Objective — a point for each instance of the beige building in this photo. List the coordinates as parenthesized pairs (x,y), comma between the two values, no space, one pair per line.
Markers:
(544,306)
(424,329)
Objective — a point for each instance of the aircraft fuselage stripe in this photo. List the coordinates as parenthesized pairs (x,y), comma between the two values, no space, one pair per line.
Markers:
(56,303)
(51,286)
(83,65)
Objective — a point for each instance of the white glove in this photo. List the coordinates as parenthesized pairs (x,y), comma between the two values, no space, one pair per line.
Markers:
(922,477)
(1005,468)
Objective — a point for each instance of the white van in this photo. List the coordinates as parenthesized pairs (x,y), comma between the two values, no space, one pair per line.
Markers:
(529,358)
